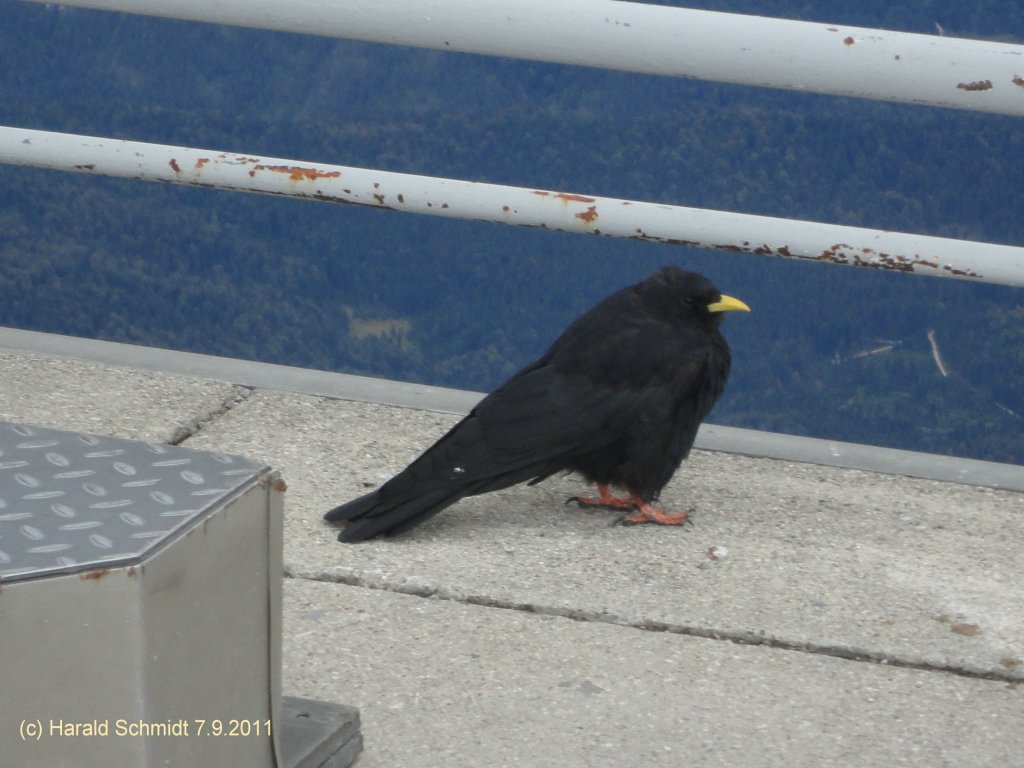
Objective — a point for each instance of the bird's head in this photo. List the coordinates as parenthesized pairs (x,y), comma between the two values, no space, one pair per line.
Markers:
(691,296)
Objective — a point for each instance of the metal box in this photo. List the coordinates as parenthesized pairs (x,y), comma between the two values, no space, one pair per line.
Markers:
(140,592)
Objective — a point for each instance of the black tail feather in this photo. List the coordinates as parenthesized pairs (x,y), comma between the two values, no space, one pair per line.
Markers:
(369,517)
(354,508)
(459,465)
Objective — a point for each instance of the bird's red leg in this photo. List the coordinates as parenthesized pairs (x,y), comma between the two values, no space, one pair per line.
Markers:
(605,499)
(650,514)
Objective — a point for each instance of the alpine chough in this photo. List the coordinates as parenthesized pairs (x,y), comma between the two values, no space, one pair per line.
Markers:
(617,398)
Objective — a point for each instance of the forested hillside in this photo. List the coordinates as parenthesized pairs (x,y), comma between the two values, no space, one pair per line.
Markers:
(828,351)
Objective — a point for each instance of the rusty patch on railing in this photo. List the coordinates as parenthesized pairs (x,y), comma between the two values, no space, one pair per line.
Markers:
(1018,80)
(977,85)
(174,165)
(842,253)
(565,197)
(959,272)
(588,215)
(201,162)
(642,235)
(838,253)
(848,41)
(297,172)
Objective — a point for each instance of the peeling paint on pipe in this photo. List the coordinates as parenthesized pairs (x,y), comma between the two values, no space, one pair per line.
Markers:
(455,198)
(638,37)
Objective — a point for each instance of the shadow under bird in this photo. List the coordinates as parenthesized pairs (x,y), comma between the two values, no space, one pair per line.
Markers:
(617,398)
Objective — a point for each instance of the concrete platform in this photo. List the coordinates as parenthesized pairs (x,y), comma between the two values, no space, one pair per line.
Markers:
(813,615)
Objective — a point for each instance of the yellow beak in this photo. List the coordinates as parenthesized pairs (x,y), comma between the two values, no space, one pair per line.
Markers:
(728,304)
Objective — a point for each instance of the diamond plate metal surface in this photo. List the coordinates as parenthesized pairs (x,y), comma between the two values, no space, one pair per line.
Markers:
(71,502)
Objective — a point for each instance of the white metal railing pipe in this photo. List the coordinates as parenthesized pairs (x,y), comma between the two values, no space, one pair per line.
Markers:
(672,224)
(752,50)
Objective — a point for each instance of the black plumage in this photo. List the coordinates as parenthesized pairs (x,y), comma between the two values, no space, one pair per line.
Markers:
(617,398)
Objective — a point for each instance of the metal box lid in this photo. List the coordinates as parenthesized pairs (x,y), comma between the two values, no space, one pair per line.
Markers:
(73,502)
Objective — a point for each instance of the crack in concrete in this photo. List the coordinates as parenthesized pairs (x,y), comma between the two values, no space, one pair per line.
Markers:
(185,431)
(582,615)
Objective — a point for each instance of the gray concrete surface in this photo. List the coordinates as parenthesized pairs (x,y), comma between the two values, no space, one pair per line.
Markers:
(87,397)
(441,683)
(811,616)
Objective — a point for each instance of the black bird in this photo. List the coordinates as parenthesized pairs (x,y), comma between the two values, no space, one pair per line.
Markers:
(617,398)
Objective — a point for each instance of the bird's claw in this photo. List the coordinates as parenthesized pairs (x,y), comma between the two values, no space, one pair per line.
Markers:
(605,500)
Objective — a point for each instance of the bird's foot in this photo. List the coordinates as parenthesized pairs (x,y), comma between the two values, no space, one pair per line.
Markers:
(646,513)
(605,499)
